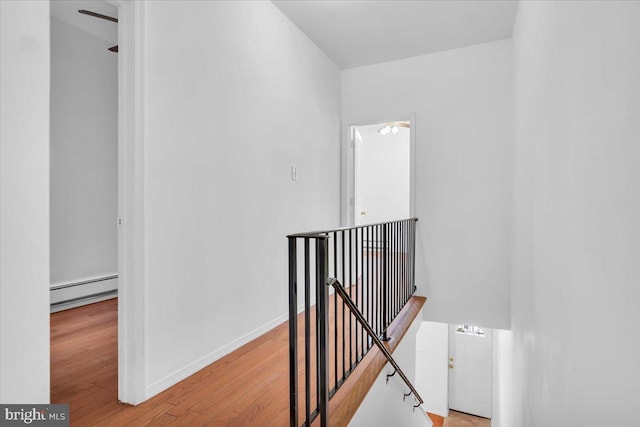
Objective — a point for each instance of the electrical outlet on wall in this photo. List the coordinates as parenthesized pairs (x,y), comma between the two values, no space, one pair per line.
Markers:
(294,173)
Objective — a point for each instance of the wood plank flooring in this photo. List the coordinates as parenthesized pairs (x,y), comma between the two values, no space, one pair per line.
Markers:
(248,387)
(460,419)
(437,420)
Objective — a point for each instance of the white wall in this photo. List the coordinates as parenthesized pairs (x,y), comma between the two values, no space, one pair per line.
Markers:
(233,99)
(24,202)
(384,175)
(574,351)
(84,139)
(462,103)
(432,366)
(383,405)
(507,390)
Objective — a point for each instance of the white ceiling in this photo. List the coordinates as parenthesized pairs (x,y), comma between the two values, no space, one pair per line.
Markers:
(363,32)
(67,11)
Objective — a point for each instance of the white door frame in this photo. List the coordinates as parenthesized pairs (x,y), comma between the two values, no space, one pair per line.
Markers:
(348,164)
(131,267)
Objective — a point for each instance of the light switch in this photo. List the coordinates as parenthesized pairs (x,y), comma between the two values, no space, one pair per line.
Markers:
(294,173)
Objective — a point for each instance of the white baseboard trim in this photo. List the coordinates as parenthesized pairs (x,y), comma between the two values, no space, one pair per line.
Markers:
(192,368)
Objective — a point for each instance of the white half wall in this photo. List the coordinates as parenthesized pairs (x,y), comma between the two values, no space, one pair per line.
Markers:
(233,99)
(383,405)
(432,366)
(574,348)
(462,100)
(24,202)
(84,142)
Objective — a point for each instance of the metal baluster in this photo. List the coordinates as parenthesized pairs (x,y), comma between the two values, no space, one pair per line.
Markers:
(413,256)
(343,306)
(399,261)
(403,263)
(293,333)
(356,290)
(384,284)
(363,289)
(398,264)
(369,277)
(406,258)
(350,316)
(395,266)
(378,279)
(322,331)
(307,332)
(376,267)
(335,311)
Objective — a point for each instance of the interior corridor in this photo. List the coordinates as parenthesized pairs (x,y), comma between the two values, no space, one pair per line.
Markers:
(248,387)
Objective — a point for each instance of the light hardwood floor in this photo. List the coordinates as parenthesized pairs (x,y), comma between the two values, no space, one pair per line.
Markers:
(248,387)
(459,419)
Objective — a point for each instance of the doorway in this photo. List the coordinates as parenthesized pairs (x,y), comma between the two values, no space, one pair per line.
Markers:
(83,155)
(470,369)
(382,167)
(84,175)
(455,372)
(379,171)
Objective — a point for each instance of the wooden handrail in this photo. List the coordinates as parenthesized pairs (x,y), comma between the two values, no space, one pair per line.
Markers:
(331,281)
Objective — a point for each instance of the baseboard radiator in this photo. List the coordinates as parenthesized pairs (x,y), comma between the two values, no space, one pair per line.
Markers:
(74,294)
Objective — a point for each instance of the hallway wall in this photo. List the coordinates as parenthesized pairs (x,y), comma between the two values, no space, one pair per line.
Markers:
(234,98)
(572,356)
(462,100)
(24,202)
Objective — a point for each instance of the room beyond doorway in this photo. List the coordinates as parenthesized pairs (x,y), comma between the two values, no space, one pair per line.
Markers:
(83,154)
(381,171)
(84,190)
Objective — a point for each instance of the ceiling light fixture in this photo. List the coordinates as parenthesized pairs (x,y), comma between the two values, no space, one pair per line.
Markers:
(387,129)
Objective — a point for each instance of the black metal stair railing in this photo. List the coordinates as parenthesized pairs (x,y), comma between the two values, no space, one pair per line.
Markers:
(375,265)
(378,342)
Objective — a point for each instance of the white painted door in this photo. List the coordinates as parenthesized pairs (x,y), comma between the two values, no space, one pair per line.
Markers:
(470,365)
(359,212)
